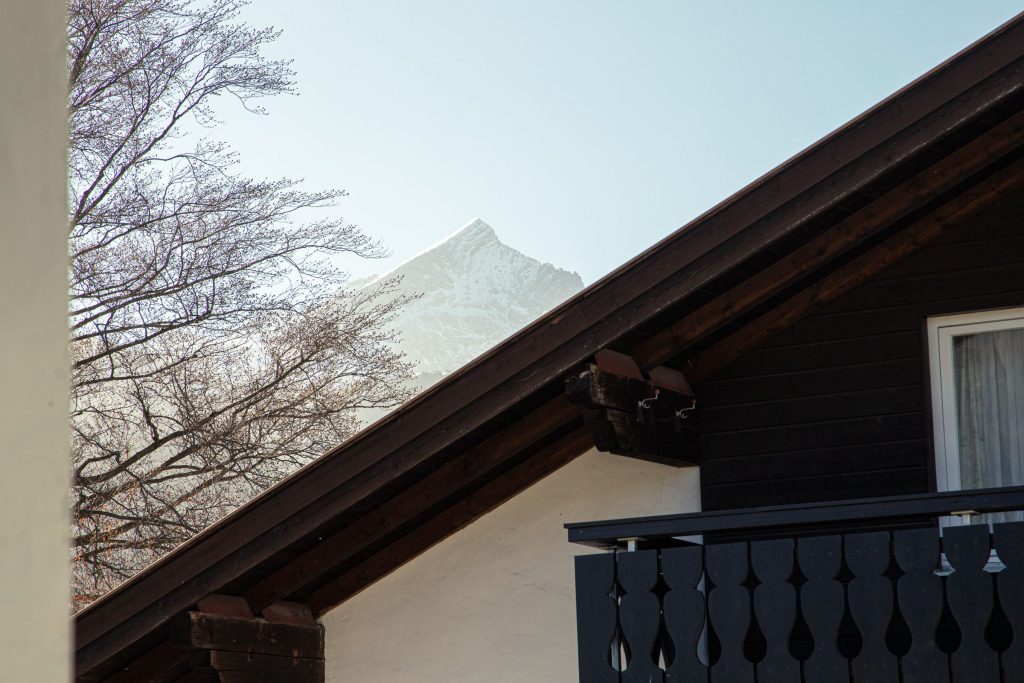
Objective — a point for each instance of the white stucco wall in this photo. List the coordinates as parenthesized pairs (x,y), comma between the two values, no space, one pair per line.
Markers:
(35,634)
(495,601)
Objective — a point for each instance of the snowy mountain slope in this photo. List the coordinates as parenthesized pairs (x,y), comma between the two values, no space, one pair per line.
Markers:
(475,291)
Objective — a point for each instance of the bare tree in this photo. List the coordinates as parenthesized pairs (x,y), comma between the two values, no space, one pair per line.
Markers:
(212,350)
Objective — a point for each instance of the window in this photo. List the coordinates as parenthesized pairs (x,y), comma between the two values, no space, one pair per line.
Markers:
(977,376)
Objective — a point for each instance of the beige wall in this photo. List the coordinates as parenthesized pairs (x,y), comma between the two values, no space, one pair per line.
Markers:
(34,625)
(495,601)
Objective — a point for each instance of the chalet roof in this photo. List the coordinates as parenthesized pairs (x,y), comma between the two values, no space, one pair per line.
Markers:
(852,203)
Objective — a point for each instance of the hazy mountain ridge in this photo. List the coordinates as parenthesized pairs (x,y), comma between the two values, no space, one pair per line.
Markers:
(474,292)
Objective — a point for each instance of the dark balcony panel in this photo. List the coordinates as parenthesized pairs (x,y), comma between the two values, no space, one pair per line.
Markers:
(919,594)
(685,612)
(928,604)
(640,616)
(969,593)
(775,608)
(870,597)
(822,602)
(1010,586)
(729,610)
(596,617)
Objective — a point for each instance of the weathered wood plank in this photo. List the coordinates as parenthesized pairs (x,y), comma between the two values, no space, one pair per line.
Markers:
(257,677)
(298,667)
(595,389)
(210,632)
(197,676)
(225,606)
(622,433)
(282,612)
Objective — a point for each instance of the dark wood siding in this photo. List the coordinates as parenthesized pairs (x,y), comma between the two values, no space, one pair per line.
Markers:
(837,406)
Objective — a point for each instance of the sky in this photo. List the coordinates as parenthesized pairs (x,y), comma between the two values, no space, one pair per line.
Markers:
(582,131)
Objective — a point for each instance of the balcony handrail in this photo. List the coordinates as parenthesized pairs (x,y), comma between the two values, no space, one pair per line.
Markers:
(806,516)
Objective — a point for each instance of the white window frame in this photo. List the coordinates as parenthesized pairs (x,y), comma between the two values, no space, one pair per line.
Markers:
(941,331)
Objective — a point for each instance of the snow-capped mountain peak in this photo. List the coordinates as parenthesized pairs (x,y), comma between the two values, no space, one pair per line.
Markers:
(474,291)
(476,230)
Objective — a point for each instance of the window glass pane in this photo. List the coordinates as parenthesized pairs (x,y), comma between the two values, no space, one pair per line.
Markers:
(989,375)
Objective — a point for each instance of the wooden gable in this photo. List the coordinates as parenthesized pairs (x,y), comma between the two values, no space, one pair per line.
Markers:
(802,238)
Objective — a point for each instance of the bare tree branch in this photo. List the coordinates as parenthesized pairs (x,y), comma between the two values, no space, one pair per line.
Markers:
(213,352)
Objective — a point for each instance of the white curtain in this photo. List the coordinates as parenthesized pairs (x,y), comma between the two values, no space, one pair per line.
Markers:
(989,370)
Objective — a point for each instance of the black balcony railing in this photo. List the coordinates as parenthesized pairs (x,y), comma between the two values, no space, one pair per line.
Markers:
(866,591)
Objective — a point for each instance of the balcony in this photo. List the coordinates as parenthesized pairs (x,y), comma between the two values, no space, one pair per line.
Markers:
(869,590)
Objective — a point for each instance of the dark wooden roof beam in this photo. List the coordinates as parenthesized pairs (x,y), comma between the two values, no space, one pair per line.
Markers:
(981,152)
(348,542)
(231,649)
(458,515)
(168,661)
(859,270)
(621,433)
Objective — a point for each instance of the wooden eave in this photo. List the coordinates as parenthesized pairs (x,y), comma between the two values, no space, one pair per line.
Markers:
(864,196)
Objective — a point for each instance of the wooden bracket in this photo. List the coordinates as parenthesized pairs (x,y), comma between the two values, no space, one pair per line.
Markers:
(628,414)
(224,642)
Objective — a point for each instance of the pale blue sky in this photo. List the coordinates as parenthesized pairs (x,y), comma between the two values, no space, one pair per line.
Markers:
(583,132)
